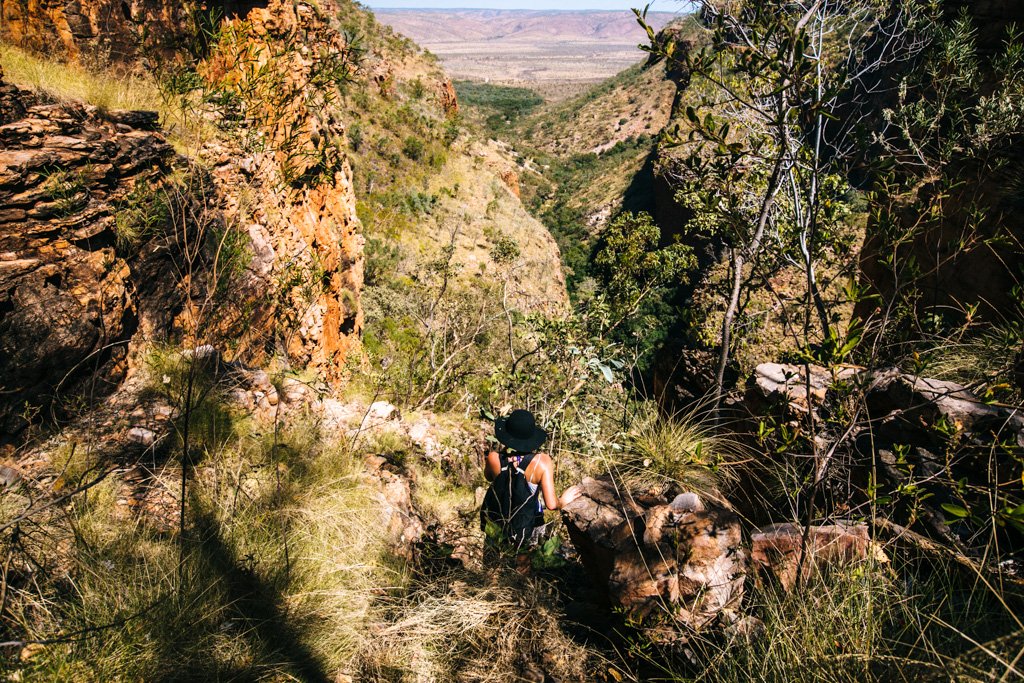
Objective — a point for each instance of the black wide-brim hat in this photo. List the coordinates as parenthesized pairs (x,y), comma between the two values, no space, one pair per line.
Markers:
(519,431)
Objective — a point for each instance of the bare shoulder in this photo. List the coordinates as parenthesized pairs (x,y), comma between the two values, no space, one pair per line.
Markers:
(542,462)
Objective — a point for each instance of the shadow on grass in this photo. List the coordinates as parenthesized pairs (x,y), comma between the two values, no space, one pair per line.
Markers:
(255,612)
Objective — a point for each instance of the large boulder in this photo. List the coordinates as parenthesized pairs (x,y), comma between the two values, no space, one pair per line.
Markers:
(913,409)
(674,566)
(798,388)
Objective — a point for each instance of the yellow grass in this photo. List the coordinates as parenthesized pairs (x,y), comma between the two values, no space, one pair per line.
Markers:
(106,89)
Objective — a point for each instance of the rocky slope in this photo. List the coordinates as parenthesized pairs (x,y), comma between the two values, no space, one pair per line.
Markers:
(263,216)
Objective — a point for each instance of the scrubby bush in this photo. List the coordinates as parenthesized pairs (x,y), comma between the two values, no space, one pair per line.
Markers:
(413,148)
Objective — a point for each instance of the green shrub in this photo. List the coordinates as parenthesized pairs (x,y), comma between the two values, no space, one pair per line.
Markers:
(684,452)
(142,214)
(381,259)
(413,148)
(505,104)
(66,188)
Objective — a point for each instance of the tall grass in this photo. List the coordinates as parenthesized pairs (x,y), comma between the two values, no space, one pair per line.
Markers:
(983,360)
(684,451)
(489,625)
(867,622)
(104,88)
(286,555)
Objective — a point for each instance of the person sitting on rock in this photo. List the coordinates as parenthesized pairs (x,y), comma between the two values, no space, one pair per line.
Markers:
(522,483)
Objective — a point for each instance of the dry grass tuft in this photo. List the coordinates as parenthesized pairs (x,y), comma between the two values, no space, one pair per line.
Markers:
(492,626)
(684,451)
(106,89)
(286,556)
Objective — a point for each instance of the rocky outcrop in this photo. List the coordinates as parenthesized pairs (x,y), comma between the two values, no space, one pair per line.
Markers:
(448,99)
(779,549)
(929,449)
(307,266)
(108,29)
(88,217)
(114,30)
(674,566)
(796,388)
(907,405)
(72,292)
(511,180)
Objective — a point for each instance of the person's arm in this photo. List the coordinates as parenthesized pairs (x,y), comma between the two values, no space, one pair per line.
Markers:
(547,486)
(492,465)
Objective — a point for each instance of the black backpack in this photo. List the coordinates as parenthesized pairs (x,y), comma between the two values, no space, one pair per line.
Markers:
(510,505)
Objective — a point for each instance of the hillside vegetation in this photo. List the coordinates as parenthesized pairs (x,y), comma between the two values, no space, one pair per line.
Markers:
(269,279)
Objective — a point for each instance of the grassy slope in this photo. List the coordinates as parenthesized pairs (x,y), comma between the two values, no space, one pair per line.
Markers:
(421,177)
(246,615)
(241,613)
(579,158)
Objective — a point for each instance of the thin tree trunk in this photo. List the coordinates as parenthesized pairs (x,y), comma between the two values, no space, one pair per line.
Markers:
(730,314)
(738,260)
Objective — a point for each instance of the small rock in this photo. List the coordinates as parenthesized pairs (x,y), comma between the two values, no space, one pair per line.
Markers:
(337,415)
(165,412)
(792,384)
(382,410)
(241,397)
(141,435)
(378,413)
(205,352)
(30,651)
(420,434)
(261,380)
(747,628)
(9,476)
(375,462)
(294,390)
(687,502)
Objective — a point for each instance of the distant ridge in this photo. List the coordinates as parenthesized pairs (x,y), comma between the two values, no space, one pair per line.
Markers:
(438,26)
(527,46)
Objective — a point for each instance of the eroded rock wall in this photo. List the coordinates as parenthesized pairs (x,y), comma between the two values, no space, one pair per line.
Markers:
(278,266)
(105,29)
(69,292)
(291,190)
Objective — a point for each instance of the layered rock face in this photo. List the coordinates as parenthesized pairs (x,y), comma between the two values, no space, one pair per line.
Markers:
(112,29)
(277,257)
(69,297)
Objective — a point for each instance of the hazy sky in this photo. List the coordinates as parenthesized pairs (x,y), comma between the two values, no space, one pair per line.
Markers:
(658,5)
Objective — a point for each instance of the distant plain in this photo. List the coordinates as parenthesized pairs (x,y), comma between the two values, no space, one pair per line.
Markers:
(556,53)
